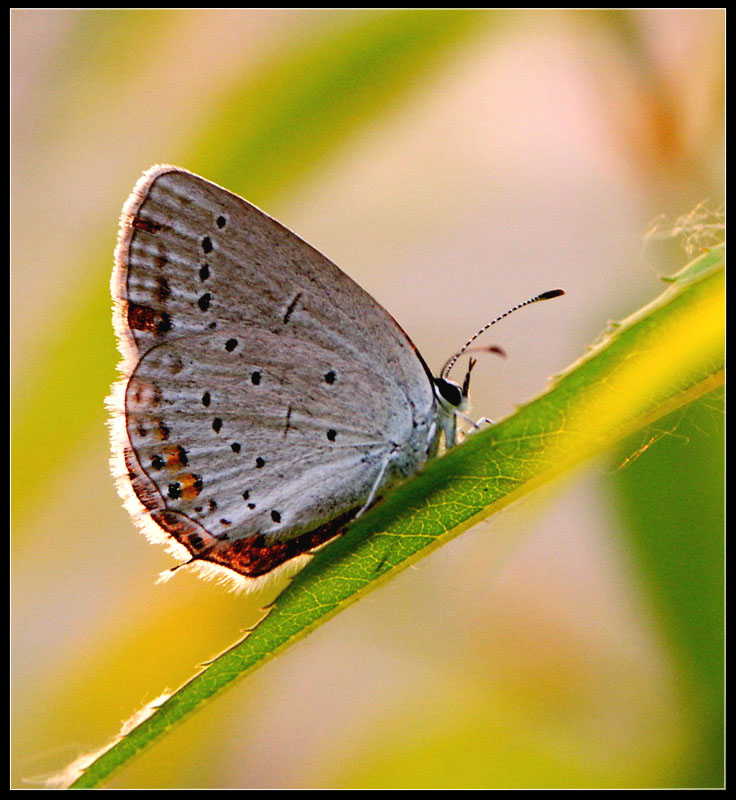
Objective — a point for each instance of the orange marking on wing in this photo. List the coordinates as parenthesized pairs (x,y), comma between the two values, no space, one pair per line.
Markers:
(161,432)
(191,485)
(176,457)
(145,225)
(145,318)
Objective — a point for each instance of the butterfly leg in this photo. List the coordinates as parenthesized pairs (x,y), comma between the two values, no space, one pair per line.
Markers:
(449,428)
(431,438)
(475,425)
(376,485)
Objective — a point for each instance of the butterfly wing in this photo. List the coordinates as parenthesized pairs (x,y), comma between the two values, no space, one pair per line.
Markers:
(192,256)
(264,393)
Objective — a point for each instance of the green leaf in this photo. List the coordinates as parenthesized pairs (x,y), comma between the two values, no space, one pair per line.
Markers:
(655,361)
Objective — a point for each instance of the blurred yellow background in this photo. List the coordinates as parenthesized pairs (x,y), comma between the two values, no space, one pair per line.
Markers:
(453,163)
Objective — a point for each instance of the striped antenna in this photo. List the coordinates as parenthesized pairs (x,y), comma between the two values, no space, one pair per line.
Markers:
(544,296)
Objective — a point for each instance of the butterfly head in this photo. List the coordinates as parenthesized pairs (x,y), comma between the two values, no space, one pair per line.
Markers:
(452,396)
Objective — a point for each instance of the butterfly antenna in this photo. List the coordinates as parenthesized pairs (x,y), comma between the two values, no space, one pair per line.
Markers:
(544,296)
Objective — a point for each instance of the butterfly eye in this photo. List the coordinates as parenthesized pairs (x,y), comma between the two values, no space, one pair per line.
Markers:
(449,391)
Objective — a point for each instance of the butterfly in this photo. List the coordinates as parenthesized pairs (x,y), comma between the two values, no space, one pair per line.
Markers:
(265,399)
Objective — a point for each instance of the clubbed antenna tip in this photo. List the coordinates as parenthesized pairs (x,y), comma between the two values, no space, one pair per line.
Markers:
(550,294)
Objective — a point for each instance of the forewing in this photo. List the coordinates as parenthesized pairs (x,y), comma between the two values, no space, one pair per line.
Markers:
(194,257)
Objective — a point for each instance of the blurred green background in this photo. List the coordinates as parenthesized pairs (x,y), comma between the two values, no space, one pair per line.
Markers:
(453,163)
